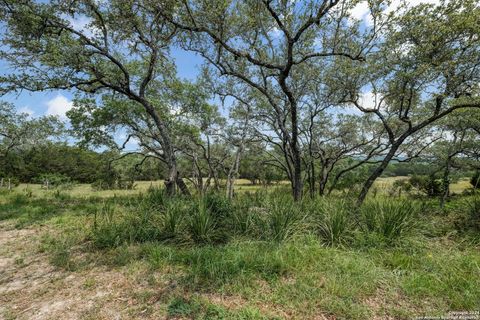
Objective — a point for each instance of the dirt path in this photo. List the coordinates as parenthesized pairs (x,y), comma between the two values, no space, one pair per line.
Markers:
(31,288)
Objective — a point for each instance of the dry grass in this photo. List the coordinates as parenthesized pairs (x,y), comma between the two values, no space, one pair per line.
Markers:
(243,185)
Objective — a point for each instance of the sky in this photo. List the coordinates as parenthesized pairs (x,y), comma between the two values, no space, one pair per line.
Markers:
(58,102)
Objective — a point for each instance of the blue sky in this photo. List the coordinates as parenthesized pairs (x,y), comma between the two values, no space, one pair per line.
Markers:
(57,102)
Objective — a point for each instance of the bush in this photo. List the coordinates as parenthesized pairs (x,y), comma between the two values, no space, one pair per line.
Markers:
(53,180)
(391,220)
(402,185)
(427,184)
(9,181)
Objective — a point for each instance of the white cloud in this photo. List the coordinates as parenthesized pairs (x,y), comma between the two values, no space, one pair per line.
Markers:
(82,24)
(362,11)
(369,100)
(275,32)
(59,106)
(27,111)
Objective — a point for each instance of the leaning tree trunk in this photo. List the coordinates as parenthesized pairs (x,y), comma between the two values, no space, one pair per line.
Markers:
(175,181)
(323,179)
(171,180)
(322,186)
(378,172)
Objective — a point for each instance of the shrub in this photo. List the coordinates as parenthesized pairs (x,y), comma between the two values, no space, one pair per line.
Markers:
(427,184)
(53,180)
(9,181)
(392,220)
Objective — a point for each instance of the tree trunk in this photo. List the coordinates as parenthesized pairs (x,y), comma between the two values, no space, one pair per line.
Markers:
(445,183)
(297,159)
(378,172)
(174,180)
(171,181)
(232,173)
(322,186)
(323,180)
(311,179)
(297,183)
(173,177)
(181,185)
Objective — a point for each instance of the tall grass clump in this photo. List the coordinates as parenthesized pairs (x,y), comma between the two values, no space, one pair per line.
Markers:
(153,218)
(173,220)
(244,218)
(202,224)
(155,197)
(284,218)
(473,211)
(106,232)
(19,199)
(468,219)
(391,219)
(333,220)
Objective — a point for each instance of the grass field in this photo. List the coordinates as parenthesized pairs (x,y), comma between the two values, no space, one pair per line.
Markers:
(242,185)
(72,255)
